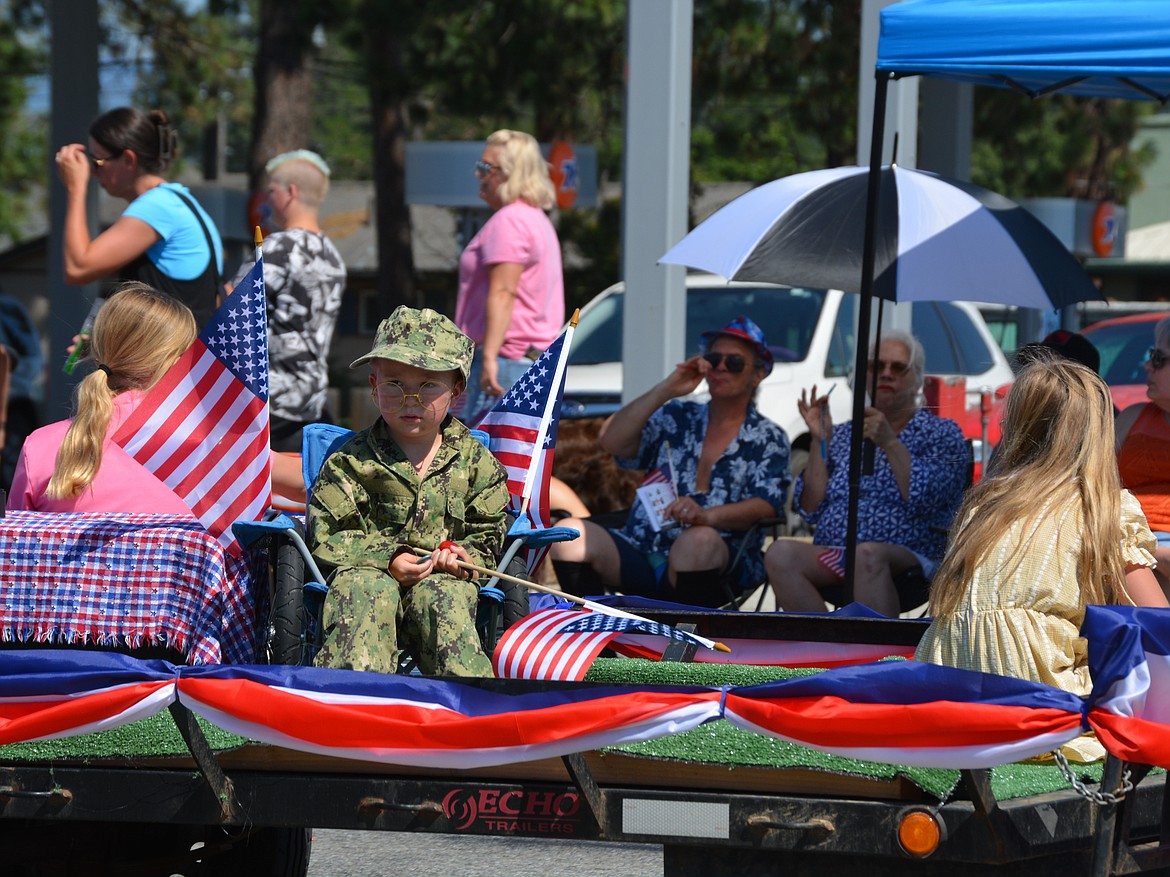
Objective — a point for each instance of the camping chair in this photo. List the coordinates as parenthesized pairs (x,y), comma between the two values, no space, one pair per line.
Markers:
(298,591)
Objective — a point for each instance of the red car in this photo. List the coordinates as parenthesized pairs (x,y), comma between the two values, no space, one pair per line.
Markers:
(1124,343)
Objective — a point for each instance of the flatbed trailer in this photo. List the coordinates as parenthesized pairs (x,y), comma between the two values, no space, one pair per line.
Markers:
(246,809)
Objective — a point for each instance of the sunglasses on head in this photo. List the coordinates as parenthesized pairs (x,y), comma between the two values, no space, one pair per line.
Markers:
(733,362)
(897,369)
(1156,358)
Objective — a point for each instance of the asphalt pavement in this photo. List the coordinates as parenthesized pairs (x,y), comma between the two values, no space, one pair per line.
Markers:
(376,853)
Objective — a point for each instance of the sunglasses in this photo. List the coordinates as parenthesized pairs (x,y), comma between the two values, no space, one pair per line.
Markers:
(98,163)
(1156,358)
(483,168)
(733,362)
(897,369)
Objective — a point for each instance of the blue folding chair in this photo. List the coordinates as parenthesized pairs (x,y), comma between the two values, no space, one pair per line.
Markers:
(294,633)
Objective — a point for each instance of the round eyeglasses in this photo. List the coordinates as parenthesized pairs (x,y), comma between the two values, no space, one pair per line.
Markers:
(391,395)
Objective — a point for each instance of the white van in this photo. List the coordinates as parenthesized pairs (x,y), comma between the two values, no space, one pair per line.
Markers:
(811,334)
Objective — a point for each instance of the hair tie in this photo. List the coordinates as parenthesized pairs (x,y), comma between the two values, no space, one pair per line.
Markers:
(102,367)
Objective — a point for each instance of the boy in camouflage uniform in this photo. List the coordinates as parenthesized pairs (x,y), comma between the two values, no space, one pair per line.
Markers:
(416,477)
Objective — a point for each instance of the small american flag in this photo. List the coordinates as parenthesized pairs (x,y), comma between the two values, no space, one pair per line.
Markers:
(203,429)
(561,643)
(833,559)
(661,475)
(523,433)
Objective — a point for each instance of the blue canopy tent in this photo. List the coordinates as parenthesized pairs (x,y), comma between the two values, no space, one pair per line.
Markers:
(1119,49)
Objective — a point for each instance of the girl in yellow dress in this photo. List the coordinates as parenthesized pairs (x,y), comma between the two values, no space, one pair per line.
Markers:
(1049,531)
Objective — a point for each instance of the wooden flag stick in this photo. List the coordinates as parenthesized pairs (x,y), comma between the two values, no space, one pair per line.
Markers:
(581,601)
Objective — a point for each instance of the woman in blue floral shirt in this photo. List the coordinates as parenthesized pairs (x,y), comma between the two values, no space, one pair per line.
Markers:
(906,505)
(730,468)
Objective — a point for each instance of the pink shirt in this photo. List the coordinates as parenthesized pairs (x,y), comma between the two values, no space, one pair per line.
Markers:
(523,234)
(121,485)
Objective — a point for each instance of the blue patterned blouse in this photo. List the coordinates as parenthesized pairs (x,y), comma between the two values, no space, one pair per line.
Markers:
(939,460)
(755,464)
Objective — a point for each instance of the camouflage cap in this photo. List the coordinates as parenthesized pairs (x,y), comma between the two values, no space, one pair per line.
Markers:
(424,339)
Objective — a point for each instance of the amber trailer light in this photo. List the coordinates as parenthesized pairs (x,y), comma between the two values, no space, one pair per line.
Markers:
(919,833)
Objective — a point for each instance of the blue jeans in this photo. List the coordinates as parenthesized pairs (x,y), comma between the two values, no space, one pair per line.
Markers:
(474,401)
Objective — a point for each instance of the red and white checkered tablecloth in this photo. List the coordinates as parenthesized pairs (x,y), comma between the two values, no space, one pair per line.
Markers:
(124,580)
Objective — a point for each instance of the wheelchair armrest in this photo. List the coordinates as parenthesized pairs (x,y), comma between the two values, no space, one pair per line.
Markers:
(250,532)
(545,536)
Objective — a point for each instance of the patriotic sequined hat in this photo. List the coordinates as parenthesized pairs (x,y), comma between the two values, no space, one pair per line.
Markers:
(745,329)
(425,339)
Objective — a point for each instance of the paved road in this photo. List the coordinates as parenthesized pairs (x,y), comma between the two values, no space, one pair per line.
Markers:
(377,853)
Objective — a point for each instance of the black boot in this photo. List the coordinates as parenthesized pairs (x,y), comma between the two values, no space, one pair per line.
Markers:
(577,579)
(700,587)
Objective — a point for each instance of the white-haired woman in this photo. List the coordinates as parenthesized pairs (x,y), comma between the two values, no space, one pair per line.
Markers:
(511,285)
(906,505)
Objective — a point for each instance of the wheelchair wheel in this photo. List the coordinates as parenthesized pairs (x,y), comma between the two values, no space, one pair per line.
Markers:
(286,624)
(515,594)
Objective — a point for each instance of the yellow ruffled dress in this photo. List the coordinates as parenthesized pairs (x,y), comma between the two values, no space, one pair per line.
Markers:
(1026,623)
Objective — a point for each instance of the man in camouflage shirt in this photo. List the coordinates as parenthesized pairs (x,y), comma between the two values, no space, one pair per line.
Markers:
(304,278)
(416,478)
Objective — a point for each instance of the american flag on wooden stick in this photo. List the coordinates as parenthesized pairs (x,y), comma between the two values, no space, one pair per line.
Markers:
(523,433)
(203,429)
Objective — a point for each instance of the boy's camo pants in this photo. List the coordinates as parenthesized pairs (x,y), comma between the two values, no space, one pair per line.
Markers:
(369,619)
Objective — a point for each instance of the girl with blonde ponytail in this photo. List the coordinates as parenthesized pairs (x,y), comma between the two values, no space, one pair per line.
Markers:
(1048,531)
(72,465)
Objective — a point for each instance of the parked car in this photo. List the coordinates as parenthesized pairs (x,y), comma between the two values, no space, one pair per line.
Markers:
(1123,343)
(811,333)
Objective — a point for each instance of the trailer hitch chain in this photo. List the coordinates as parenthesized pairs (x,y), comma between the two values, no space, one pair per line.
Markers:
(765,823)
(1100,798)
(382,804)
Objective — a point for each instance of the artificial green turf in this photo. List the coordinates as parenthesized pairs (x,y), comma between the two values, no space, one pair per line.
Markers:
(153,737)
(718,742)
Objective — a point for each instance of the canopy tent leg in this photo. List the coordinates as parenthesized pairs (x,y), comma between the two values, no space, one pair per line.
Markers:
(864,310)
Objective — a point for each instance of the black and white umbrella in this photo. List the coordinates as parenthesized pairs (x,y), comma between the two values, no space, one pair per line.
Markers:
(938,239)
(934,239)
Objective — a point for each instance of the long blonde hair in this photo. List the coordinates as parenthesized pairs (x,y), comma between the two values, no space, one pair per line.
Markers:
(138,334)
(524,168)
(1057,449)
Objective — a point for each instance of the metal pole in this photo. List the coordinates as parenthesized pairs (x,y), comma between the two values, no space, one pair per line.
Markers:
(864,309)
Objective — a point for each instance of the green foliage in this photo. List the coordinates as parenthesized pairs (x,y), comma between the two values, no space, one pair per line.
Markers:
(23,146)
(341,119)
(1061,146)
(194,63)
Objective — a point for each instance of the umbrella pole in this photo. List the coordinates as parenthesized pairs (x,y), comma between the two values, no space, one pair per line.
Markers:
(868,448)
(864,309)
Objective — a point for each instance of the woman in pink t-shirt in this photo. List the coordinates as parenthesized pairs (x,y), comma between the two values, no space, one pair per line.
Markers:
(511,285)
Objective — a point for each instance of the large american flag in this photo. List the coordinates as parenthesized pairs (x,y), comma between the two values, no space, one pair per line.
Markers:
(203,429)
(523,432)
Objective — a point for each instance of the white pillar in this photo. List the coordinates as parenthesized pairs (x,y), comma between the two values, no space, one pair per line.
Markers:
(655,188)
(901,120)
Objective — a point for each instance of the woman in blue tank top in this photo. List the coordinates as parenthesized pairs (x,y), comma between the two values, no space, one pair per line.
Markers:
(164,238)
